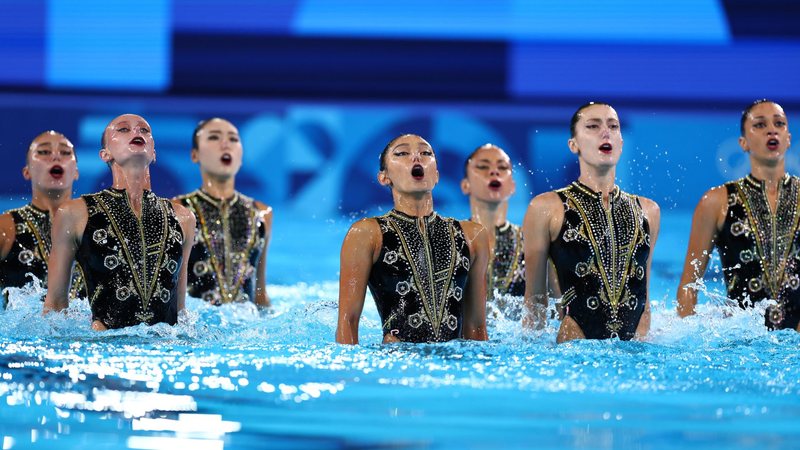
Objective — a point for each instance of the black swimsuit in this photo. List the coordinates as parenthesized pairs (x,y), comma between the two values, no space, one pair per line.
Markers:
(419,279)
(131,264)
(600,257)
(760,251)
(506,272)
(31,250)
(228,244)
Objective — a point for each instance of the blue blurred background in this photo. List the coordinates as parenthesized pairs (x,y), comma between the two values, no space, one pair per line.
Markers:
(318,87)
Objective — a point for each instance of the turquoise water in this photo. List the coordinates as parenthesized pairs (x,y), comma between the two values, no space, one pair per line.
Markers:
(233,377)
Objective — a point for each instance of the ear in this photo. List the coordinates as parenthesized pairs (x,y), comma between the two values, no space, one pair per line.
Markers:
(743,143)
(105,156)
(26,173)
(573,146)
(195,158)
(77,174)
(465,186)
(384,180)
(513,187)
(789,138)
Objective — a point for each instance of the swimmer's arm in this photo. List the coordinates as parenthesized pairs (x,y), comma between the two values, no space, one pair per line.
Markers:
(188,223)
(706,223)
(8,233)
(69,221)
(474,321)
(536,228)
(653,214)
(262,298)
(359,252)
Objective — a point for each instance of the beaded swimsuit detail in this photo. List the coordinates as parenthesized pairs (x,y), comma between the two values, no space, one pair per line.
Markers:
(601,258)
(228,244)
(760,249)
(31,252)
(419,279)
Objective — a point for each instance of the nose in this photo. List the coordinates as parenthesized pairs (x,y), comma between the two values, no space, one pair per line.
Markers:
(606,132)
(494,171)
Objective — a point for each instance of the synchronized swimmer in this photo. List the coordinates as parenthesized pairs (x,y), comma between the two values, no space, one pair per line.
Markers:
(135,255)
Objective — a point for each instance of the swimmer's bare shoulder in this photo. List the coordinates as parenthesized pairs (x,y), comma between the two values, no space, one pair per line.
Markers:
(187,220)
(545,211)
(713,207)
(8,233)
(364,234)
(71,217)
(264,211)
(653,213)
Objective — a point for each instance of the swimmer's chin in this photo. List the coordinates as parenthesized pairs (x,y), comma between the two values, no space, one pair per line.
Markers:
(99,326)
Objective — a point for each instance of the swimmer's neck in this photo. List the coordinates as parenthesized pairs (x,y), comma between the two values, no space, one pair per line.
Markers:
(770,175)
(134,180)
(413,205)
(220,188)
(488,214)
(50,200)
(603,183)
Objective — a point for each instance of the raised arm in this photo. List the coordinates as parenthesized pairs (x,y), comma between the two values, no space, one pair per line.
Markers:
(69,221)
(262,298)
(474,324)
(360,250)
(653,214)
(706,223)
(542,220)
(187,221)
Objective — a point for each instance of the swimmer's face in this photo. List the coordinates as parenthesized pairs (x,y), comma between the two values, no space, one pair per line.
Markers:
(598,137)
(410,166)
(766,133)
(489,177)
(219,149)
(51,163)
(129,138)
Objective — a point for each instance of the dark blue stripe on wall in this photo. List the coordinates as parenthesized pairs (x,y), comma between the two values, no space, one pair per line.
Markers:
(22,42)
(763,18)
(338,68)
(741,71)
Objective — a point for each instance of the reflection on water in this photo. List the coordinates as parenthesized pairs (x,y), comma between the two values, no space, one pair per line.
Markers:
(235,377)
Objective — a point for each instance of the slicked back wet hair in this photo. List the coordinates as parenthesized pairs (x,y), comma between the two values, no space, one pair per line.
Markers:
(200,126)
(577,116)
(749,108)
(475,152)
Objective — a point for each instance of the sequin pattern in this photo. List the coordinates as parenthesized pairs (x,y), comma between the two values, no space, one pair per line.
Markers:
(601,258)
(506,273)
(31,251)
(229,242)
(419,279)
(760,249)
(129,260)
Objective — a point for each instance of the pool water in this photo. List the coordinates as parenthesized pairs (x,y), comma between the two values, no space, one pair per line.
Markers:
(234,377)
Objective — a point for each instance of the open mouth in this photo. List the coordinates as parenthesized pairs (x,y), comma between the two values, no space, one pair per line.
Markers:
(56,171)
(137,141)
(495,185)
(606,148)
(226,159)
(772,144)
(417,172)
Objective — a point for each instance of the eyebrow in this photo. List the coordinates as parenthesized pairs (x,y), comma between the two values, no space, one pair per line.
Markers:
(779,116)
(222,132)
